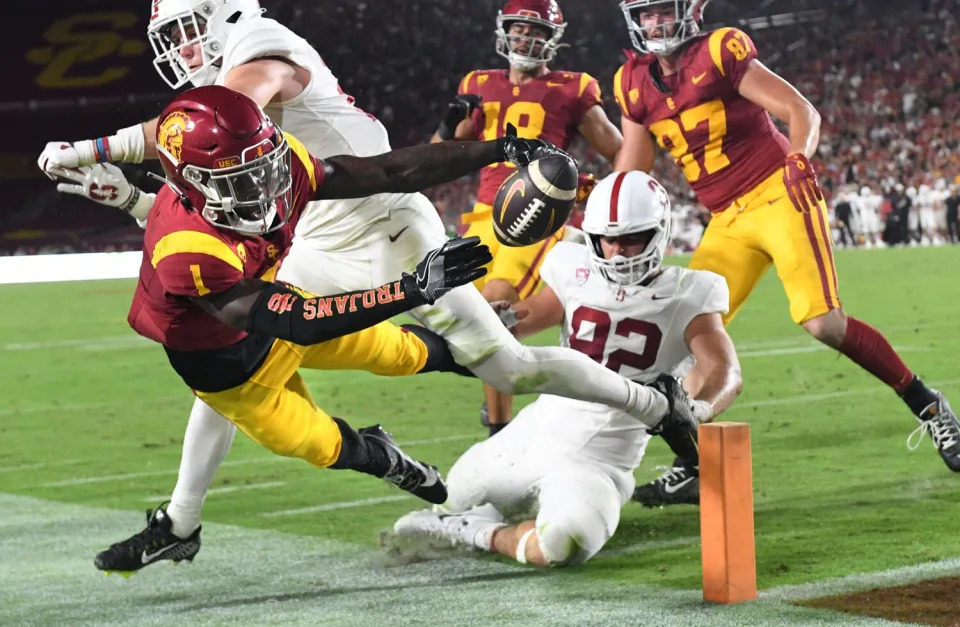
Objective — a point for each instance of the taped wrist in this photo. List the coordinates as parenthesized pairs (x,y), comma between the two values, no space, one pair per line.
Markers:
(139,203)
(291,314)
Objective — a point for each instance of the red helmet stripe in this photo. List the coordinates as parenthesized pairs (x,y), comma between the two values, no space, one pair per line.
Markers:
(615,196)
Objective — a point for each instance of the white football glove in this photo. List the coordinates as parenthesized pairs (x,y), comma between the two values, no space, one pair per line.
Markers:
(65,155)
(103,183)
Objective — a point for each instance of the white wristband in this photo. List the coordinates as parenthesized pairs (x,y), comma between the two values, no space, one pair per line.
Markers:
(128,144)
(141,207)
(702,410)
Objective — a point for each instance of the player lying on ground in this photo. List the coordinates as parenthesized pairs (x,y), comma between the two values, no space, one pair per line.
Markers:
(568,463)
(236,185)
(359,243)
(707,99)
(555,105)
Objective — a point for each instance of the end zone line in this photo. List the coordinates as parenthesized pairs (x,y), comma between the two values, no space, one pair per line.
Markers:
(327,507)
(222,490)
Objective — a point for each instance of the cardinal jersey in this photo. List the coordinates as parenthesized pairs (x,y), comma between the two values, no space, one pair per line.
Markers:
(725,144)
(184,255)
(550,107)
(321,116)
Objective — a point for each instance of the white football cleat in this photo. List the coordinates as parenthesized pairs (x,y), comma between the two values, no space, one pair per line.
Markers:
(473,528)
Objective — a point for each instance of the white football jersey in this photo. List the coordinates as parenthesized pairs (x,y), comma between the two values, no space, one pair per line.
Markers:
(638,333)
(322,116)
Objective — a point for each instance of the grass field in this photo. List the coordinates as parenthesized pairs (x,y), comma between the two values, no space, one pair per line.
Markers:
(93,417)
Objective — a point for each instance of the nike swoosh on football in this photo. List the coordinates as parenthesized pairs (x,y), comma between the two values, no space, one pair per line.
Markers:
(393,238)
(146,559)
(671,489)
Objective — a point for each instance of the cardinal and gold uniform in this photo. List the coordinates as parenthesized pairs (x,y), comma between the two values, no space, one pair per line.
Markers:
(732,155)
(250,379)
(550,107)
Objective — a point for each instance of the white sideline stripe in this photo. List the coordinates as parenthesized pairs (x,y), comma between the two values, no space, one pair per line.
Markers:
(807,398)
(224,490)
(35,409)
(329,507)
(794,350)
(154,473)
(96,343)
(803,398)
(40,466)
(233,462)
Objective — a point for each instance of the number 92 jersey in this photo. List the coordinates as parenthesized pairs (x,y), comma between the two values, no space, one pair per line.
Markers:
(724,143)
(638,333)
(549,107)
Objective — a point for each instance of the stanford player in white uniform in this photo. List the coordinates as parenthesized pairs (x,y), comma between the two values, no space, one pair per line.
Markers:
(548,488)
(340,245)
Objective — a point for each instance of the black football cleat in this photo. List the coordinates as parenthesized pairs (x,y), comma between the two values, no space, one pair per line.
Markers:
(679,485)
(939,420)
(419,479)
(155,543)
(679,427)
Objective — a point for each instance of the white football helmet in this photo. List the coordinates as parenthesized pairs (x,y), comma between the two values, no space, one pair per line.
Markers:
(624,203)
(179,24)
(687,19)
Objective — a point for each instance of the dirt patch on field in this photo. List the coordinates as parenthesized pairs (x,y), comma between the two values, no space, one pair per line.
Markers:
(933,602)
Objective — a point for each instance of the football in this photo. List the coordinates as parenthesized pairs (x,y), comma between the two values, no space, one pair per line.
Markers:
(535,201)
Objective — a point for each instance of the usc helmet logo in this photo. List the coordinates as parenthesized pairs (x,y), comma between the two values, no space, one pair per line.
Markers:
(170,133)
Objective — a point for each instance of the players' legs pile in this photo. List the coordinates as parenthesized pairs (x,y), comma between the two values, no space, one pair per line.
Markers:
(529,496)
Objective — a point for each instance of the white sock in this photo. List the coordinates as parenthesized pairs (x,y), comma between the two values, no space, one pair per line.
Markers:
(483,538)
(519,369)
(206,442)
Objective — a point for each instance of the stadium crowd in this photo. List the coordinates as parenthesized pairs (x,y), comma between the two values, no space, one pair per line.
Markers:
(883,76)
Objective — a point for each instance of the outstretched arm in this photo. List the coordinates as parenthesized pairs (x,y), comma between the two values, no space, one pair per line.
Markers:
(716,379)
(288,313)
(419,167)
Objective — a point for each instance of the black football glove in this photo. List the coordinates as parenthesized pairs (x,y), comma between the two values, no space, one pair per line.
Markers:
(679,427)
(458,262)
(458,110)
(522,152)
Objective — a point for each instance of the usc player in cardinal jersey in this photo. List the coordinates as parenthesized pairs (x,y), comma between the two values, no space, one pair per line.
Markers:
(236,187)
(541,103)
(707,99)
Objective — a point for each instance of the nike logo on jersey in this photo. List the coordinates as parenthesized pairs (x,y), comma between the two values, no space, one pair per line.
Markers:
(393,238)
(146,558)
(659,296)
(699,77)
(670,489)
(552,84)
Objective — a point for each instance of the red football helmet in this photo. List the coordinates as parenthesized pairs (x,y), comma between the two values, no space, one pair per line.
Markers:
(226,159)
(651,31)
(543,13)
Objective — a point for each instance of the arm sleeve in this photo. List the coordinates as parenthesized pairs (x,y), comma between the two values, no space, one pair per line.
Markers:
(552,270)
(288,313)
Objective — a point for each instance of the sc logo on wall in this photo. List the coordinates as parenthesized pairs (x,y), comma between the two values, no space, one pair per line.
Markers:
(87,50)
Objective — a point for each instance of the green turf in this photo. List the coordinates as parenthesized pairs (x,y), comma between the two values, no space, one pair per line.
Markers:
(836,490)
